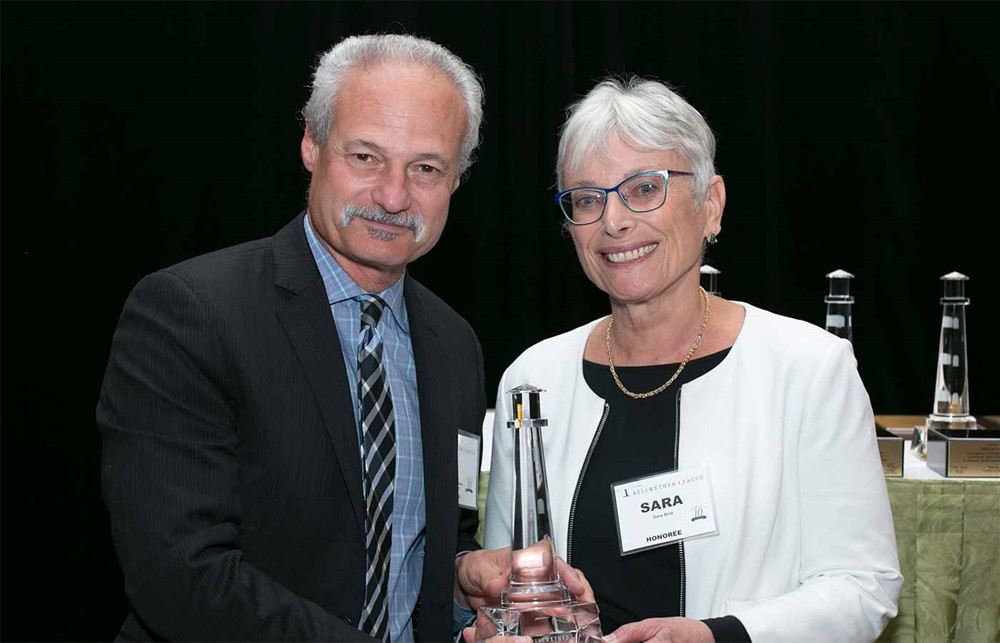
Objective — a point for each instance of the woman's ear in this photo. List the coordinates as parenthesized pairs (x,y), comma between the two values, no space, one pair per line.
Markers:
(715,203)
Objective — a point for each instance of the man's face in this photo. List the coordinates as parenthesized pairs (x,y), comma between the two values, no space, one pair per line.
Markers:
(381,185)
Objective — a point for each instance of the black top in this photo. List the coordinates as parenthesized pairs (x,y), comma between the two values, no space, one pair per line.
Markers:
(638,438)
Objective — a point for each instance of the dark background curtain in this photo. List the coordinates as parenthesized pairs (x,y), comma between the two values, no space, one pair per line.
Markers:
(860,136)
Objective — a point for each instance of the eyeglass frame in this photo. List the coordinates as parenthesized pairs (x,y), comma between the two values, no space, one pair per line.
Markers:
(665,173)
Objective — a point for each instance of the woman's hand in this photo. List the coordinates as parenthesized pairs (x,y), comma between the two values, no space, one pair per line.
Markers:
(662,630)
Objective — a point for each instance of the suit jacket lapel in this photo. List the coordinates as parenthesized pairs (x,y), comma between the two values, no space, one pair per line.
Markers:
(430,354)
(308,322)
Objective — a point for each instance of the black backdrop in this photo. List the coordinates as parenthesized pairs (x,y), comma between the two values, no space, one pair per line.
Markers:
(854,136)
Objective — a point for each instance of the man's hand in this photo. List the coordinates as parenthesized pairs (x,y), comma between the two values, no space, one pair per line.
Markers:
(662,630)
(480,576)
(574,579)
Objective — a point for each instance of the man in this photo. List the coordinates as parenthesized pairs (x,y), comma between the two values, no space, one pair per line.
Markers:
(280,419)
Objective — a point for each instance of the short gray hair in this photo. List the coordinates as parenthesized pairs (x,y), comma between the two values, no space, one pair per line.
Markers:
(367,52)
(648,115)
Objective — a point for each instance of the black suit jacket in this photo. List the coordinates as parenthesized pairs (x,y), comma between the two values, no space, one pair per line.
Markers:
(230,452)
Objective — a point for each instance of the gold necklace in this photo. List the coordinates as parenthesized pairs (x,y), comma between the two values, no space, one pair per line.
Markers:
(687,358)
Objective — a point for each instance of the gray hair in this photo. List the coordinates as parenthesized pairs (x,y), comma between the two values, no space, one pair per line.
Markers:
(367,52)
(649,116)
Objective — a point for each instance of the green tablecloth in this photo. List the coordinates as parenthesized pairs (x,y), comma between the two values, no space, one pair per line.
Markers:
(948,535)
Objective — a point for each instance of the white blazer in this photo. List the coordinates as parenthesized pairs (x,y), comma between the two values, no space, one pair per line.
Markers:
(806,549)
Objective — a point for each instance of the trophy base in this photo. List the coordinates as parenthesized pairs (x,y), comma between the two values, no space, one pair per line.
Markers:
(939,422)
(573,622)
(890,450)
(964,453)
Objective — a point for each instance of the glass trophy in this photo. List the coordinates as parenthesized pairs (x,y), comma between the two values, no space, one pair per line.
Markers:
(839,309)
(951,391)
(535,603)
(839,303)
(710,279)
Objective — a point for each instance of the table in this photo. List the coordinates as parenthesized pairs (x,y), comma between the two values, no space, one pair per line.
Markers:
(948,538)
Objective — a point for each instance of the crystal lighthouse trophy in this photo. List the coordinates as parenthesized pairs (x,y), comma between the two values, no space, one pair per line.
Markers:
(839,322)
(839,303)
(951,391)
(535,602)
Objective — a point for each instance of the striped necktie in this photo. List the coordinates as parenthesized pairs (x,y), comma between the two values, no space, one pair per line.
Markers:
(378,435)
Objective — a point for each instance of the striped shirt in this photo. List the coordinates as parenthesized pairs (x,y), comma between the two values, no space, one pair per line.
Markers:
(406,560)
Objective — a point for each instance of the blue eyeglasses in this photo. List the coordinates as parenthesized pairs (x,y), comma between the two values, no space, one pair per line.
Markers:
(642,192)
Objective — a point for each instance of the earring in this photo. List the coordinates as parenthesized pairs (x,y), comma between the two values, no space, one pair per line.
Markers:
(712,240)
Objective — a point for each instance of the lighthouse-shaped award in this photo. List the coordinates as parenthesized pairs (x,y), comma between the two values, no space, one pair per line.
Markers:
(535,603)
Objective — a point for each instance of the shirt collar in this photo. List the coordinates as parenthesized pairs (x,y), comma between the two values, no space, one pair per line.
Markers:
(340,287)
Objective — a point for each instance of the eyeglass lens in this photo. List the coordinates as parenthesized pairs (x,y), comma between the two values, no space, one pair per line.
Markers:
(640,193)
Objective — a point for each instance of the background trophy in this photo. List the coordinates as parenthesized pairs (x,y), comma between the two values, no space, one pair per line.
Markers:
(951,390)
(839,303)
(710,279)
(959,446)
(535,602)
(839,322)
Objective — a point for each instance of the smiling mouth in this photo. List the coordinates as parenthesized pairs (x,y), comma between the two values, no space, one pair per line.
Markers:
(629,255)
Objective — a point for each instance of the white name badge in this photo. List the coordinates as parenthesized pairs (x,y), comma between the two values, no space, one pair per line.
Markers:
(663,508)
(468,470)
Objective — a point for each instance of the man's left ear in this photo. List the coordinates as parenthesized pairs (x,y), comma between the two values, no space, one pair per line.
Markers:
(715,203)
(458,182)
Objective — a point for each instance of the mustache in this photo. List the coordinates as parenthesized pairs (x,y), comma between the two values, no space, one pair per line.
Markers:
(374,213)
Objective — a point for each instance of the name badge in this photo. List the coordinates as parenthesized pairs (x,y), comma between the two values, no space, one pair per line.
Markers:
(468,470)
(663,508)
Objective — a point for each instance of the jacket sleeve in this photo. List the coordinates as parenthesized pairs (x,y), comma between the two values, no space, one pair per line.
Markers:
(849,578)
(170,475)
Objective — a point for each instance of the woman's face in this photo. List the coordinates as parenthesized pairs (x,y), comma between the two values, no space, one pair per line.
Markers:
(637,257)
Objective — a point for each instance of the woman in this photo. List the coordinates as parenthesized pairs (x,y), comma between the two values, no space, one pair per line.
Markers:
(763,419)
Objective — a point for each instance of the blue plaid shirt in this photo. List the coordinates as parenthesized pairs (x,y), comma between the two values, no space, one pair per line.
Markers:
(406,560)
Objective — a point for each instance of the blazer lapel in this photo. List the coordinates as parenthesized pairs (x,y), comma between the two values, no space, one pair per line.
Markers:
(308,322)
(431,354)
